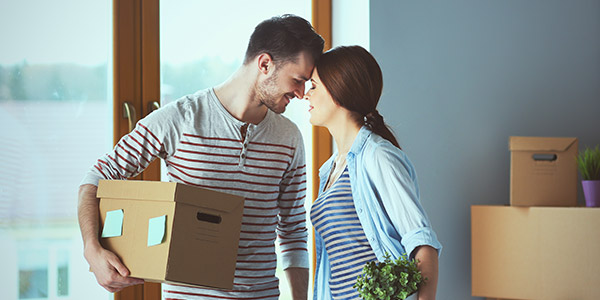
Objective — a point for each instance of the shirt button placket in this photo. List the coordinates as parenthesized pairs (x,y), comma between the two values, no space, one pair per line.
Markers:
(244,153)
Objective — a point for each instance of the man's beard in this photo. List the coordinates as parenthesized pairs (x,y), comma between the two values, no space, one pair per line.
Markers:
(266,93)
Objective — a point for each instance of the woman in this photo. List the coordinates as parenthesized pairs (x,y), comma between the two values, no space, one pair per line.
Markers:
(368,188)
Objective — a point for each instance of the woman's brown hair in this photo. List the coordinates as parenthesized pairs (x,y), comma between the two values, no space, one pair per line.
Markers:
(354,79)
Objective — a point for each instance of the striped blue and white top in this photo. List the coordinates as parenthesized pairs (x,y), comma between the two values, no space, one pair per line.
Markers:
(334,217)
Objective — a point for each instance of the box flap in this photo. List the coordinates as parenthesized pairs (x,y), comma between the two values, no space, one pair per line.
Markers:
(207,198)
(137,190)
(167,191)
(521,143)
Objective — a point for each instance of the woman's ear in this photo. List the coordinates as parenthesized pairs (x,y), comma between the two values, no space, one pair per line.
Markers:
(265,63)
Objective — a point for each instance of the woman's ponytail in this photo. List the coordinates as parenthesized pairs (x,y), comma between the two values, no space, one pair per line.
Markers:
(375,122)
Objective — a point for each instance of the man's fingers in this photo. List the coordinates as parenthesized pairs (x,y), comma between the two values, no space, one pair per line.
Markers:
(118,265)
(124,273)
(133,281)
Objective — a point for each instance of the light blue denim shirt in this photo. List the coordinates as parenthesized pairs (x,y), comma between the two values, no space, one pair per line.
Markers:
(386,197)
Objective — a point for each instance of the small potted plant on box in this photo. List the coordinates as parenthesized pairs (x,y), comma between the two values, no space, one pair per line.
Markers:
(389,279)
(588,163)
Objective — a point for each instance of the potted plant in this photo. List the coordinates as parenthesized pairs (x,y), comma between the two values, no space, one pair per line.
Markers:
(389,279)
(588,163)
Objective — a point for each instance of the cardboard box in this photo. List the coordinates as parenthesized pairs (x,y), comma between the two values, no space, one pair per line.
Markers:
(535,252)
(171,232)
(543,171)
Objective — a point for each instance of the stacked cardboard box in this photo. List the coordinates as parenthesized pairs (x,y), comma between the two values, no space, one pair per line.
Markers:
(543,171)
(535,252)
(542,246)
(171,232)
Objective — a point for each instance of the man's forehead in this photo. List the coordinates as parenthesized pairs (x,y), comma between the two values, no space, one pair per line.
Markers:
(301,67)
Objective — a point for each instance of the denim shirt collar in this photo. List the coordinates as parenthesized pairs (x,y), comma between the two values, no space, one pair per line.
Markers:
(359,142)
(361,138)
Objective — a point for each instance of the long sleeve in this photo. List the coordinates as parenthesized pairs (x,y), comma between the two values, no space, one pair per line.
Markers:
(397,187)
(291,228)
(149,139)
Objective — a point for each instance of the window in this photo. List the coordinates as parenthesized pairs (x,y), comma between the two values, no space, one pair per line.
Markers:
(56,98)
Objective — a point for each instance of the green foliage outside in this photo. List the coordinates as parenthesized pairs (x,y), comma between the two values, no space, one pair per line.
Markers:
(67,82)
(389,279)
(588,163)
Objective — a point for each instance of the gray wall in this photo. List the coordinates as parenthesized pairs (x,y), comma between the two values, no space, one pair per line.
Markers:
(460,77)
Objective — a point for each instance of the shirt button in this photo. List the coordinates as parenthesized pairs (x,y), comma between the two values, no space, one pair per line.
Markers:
(243,156)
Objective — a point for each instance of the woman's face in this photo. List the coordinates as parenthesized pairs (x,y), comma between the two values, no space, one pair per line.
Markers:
(322,107)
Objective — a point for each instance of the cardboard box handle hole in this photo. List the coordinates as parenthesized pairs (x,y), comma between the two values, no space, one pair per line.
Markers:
(544,157)
(208,218)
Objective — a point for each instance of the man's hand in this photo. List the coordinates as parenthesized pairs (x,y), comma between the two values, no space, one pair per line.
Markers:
(110,272)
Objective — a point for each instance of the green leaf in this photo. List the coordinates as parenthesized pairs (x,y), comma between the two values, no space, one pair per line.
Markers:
(389,279)
(588,163)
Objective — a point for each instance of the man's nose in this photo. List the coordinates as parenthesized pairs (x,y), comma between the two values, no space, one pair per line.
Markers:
(299,93)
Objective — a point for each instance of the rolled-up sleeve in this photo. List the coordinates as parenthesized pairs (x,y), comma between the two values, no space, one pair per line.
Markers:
(396,184)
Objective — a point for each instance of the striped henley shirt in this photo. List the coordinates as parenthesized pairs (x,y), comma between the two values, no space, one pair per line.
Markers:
(202,145)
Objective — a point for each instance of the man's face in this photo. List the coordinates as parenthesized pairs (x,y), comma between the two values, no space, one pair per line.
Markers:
(286,82)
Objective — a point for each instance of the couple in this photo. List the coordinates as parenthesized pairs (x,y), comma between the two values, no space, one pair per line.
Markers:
(232,138)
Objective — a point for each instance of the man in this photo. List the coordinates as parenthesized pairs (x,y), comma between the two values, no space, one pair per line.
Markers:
(231,139)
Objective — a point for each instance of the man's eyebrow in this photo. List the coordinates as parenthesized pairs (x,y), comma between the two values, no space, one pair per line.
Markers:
(304,78)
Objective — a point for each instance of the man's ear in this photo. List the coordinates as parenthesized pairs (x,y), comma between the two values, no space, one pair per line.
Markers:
(265,63)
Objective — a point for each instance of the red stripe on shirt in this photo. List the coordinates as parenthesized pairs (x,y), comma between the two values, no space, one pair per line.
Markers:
(211,138)
(100,170)
(256,261)
(260,216)
(287,243)
(147,140)
(119,165)
(260,208)
(226,171)
(219,187)
(271,152)
(146,150)
(262,200)
(225,163)
(225,179)
(150,132)
(273,145)
(261,269)
(250,254)
(140,154)
(211,146)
